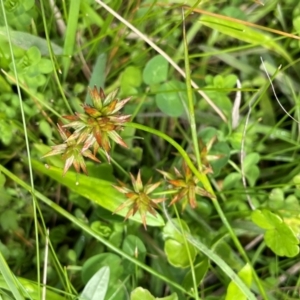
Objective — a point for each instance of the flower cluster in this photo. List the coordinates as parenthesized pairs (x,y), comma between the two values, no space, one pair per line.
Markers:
(185,187)
(94,128)
(139,197)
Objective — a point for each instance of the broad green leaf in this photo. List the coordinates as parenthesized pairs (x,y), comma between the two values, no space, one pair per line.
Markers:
(200,271)
(97,190)
(279,236)
(252,175)
(244,33)
(176,248)
(276,198)
(25,41)
(250,160)
(132,76)
(296,181)
(265,219)
(140,293)
(282,240)
(170,98)
(92,265)
(218,156)
(114,262)
(9,220)
(277,194)
(232,180)
(133,246)
(96,288)
(233,291)
(143,294)
(156,70)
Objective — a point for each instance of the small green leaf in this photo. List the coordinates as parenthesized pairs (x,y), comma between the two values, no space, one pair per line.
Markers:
(200,270)
(220,153)
(276,198)
(279,236)
(46,129)
(170,98)
(33,54)
(282,241)
(296,181)
(45,66)
(250,160)
(265,219)
(140,293)
(232,180)
(233,291)
(175,247)
(96,288)
(101,228)
(143,294)
(9,220)
(133,246)
(92,265)
(156,70)
(252,174)
(132,76)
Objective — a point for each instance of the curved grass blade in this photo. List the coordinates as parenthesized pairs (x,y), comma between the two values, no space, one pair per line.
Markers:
(98,191)
(26,40)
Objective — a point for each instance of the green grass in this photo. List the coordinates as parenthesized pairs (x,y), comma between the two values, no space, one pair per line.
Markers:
(62,236)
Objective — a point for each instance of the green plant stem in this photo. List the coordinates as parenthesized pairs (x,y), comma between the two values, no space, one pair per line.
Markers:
(190,101)
(91,232)
(207,186)
(34,202)
(52,59)
(189,255)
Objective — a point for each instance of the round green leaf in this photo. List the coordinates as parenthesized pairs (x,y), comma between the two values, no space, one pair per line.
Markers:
(140,293)
(232,180)
(282,241)
(176,249)
(156,70)
(133,246)
(45,66)
(170,98)
(95,263)
(9,220)
(131,76)
(250,160)
(265,219)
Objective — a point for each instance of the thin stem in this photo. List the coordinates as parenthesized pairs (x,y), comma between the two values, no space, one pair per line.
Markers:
(34,203)
(188,253)
(190,99)
(52,60)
